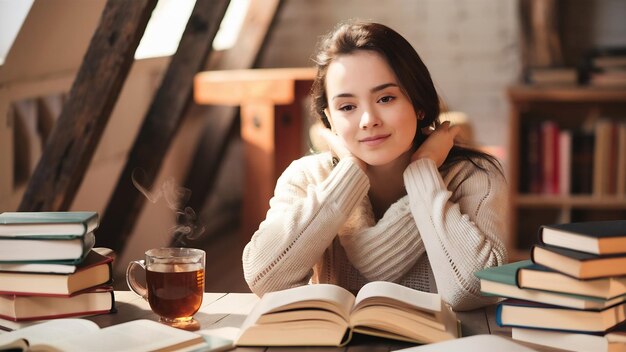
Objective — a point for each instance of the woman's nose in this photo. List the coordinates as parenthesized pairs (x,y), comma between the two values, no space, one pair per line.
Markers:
(369,119)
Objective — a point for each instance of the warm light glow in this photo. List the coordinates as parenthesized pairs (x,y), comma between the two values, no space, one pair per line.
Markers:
(168,22)
(12,16)
(165,28)
(231,25)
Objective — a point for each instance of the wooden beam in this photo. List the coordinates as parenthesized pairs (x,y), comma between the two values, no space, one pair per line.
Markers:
(96,88)
(222,125)
(161,123)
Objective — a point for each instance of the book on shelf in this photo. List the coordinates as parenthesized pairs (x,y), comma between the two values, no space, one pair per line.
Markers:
(46,224)
(502,281)
(583,142)
(565,162)
(621,160)
(596,237)
(550,157)
(531,178)
(612,78)
(528,314)
(612,341)
(552,76)
(95,270)
(85,335)
(539,277)
(601,160)
(327,315)
(70,250)
(97,300)
(579,264)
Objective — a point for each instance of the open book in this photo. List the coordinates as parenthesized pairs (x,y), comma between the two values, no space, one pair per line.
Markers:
(85,335)
(327,315)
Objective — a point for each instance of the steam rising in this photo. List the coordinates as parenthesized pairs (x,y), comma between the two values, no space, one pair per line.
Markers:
(176,197)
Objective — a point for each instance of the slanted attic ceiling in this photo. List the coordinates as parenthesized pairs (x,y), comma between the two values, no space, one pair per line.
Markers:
(53,39)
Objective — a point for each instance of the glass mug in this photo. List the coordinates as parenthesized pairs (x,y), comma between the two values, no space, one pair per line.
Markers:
(174,284)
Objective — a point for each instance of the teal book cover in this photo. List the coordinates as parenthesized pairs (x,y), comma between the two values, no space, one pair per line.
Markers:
(506,274)
(61,225)
(502,281)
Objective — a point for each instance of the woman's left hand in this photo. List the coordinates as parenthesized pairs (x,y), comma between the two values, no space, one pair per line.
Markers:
(438,144)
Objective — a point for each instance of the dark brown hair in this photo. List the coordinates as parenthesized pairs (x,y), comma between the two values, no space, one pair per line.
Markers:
(411,72)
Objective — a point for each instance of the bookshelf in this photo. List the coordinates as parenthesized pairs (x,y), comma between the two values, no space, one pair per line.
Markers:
(577,109)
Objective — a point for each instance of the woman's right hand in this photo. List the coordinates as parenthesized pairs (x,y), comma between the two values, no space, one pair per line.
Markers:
(338,148)
(438,144)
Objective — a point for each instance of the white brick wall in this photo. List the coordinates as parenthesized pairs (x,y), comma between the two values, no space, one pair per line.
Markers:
(470,46)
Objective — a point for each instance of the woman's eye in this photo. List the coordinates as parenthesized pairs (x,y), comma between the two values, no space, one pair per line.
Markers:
(347,108)
(386,99)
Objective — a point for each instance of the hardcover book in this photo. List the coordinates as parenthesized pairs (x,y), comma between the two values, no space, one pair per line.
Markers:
(327,315)
(69,251)
(95,270)
(539,277)
(612,341)
(526,314)
(502,281)
(22,308)
(51,267)
(579,264)
(595,237)
(85,335)
(48,224)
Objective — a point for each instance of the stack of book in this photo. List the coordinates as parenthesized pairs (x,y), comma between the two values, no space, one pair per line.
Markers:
(49,269)
(572,293)
(606,67)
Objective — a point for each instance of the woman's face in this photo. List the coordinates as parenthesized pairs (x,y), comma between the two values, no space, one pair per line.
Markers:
(367,109)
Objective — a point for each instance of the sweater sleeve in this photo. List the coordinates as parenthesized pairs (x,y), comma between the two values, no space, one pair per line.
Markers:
(302,222)
(459,227)
(387,250)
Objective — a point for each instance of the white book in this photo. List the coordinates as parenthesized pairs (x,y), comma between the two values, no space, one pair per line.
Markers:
(611,342)
(476,343)
(85,335)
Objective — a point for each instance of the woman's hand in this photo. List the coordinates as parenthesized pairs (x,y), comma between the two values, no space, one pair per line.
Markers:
(438,144)
(338,148)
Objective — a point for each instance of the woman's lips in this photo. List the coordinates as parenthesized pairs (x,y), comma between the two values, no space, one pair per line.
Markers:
(374,140)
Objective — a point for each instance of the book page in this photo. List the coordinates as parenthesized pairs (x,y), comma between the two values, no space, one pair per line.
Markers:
(136,335)
(377,291)
(316,298)
(50,331)
(339,299)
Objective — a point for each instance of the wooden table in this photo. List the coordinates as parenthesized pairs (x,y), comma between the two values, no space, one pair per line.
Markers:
(273,110)
(227,311)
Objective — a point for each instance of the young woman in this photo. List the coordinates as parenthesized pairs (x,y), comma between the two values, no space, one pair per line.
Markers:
(395,199)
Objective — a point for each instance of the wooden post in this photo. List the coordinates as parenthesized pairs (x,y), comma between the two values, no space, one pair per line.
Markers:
(271,102)
(221,124)
(96,88)
(161,122)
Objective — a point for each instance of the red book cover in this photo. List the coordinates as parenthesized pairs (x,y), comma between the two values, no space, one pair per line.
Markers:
(98,300)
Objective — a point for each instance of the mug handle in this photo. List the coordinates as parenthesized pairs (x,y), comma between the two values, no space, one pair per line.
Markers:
(132,283)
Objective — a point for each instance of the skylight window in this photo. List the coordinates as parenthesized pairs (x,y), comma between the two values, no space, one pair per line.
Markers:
(168,21)
(12,16)
(165,28)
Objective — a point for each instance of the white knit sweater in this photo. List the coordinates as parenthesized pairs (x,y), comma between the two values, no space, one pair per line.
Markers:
(321,229)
